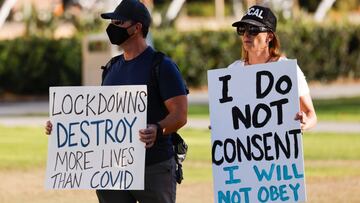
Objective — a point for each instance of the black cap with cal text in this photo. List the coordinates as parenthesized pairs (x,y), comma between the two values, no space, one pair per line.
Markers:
(258,16)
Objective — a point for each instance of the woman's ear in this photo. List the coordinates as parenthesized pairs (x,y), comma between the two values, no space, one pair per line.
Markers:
(270,37)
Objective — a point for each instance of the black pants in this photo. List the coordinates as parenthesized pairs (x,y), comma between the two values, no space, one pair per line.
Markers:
(160,187)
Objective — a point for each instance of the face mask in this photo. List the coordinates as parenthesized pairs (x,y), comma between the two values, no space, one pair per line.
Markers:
(116,34)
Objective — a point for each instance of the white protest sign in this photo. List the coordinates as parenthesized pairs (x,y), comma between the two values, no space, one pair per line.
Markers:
(256,143)
(94,142)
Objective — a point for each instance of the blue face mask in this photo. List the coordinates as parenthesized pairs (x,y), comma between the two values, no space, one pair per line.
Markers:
(116,34)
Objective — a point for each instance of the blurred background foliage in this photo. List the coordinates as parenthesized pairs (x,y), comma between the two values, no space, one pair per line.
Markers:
(325,51)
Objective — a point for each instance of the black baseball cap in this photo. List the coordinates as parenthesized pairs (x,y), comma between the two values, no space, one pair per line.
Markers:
(130,10)
(258,16)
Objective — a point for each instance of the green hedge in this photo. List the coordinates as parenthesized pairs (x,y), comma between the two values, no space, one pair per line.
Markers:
(31,65)
(324,53)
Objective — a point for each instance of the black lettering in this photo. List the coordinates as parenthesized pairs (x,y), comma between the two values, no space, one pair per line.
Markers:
(111,103)
(62,161)
(102,98)
(257,146)
(296,145)
(279,144)
(102,160)
(267,147)
(63,104)
(53,107)
(232,157)
(142,106)
(125,181)
(237,114)
(132,157)
(75,105)
(215,144)
(92,178)
(133,101)
(225,89)
(259,94)
(241,149)
(282,79)
(86,167)
(278,105)
(255,116)
(88,105)
(120,103)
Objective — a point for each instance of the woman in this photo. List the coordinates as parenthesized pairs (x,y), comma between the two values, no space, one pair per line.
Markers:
(261,45)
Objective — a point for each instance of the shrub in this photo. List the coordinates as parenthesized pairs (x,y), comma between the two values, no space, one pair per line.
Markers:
(324,53)
(31,65)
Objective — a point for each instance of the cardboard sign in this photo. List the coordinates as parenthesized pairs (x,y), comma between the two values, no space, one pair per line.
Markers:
(94,142)
(256,143)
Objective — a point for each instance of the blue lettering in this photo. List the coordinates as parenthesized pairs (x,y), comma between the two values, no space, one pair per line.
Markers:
(108,127)
(92,178)
(97,130)
(260,194)
(274,195)
(117,129)
(282,192)
(246,191)
(286,173)
(130,125)
(295,190)
(263,173)
(72,134)
(296,173)
(86,135)
(58,135)
(222,197)
(235,196)
(231,175)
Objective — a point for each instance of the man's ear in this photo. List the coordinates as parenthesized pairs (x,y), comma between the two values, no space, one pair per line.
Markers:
(138,27)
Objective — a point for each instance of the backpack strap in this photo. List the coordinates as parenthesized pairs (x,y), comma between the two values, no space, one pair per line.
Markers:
(155,70)
(106,68)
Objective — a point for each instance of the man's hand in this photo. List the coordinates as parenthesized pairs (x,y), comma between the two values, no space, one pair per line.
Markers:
(48,127)
(148,135)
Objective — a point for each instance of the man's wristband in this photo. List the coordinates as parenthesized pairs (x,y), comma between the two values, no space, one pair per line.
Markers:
(159,130)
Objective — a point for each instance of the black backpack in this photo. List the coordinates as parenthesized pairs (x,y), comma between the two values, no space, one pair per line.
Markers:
(180,147)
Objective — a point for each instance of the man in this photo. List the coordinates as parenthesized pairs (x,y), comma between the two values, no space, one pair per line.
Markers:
(167,102)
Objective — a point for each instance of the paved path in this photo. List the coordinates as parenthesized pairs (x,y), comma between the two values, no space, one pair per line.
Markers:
(39,121)
(323,126)
(33,113)
(317,92)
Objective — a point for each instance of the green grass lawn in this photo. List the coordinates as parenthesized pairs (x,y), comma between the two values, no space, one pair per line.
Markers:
(343,109)
(22,148)
(26,148)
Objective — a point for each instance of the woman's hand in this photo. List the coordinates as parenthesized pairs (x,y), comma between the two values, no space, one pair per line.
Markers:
(301,116)
(307,115)
(48,127)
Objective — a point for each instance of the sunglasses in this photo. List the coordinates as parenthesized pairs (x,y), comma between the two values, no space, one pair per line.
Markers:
(252,30)
(120,22)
